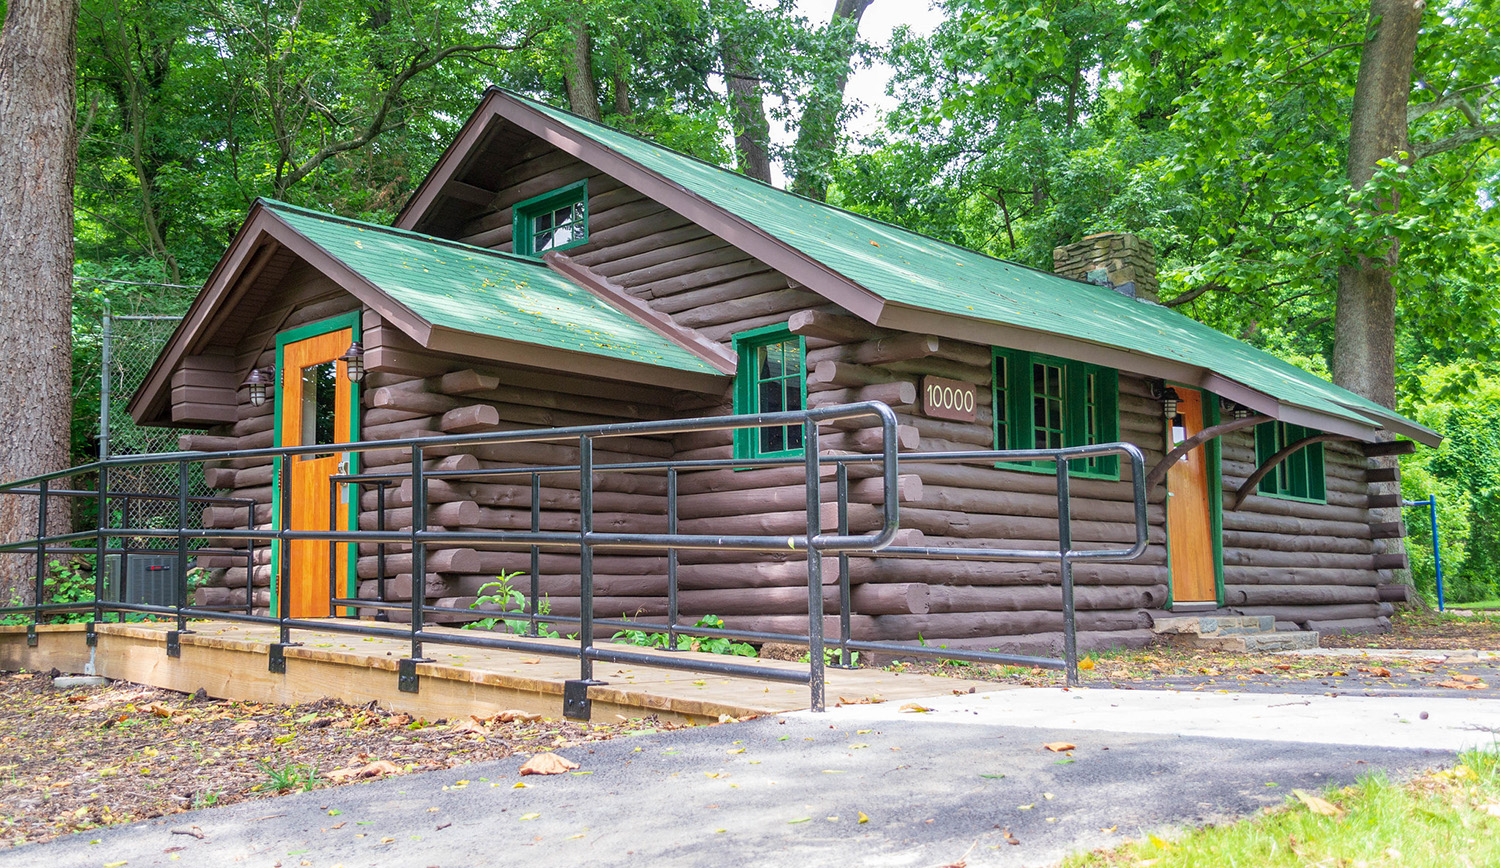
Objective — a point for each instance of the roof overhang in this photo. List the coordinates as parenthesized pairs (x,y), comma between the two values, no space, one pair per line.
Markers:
(913,319)
(264,232)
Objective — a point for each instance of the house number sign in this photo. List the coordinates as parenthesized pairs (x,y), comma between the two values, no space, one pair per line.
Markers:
(949,399)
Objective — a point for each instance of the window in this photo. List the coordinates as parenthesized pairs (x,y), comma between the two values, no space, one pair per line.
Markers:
(552,221)
(772,379)
(1300,476)
(1041,402)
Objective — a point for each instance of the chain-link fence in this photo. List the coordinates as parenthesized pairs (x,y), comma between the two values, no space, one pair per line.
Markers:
(129,345)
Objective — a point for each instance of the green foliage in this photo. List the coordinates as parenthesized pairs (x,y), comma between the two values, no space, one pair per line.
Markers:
(289,777)
(500,595)
(708,645)
(832,657)
(1463,403)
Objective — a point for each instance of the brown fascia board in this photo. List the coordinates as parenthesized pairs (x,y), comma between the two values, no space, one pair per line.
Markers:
(228,283)
(454,157)
(912,319)
(612,294)
(739,232)
(150,400)
(461,343)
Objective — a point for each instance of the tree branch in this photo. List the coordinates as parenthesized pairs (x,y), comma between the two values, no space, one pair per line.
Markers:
(377,122)
(1191,294)
(1465,136)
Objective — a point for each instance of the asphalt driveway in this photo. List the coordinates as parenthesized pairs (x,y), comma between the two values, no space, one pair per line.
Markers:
(969,778)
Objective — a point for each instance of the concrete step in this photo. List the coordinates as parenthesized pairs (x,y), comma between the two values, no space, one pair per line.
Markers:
(1264,643)
(1207,626)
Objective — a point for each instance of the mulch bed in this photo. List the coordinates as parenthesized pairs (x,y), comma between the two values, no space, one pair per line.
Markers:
(74,760)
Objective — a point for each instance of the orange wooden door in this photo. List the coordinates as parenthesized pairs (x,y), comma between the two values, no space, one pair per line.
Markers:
(315,396)
(1189,531)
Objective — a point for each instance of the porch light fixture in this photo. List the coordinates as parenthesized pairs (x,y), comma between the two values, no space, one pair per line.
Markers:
(1169,402)
(258,381)
(354,362)
(1240,411)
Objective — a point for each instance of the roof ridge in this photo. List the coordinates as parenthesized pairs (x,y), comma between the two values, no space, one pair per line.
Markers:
(842,210)
(276,204)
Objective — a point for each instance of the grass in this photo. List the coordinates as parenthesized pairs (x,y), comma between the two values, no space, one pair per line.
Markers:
(1478,604)
(1443,820)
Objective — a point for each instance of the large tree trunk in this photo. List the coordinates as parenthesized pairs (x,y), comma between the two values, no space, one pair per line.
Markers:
(578,72)
(752,132)
(818,132)
(38,157)
(1364,331)
(1364,338)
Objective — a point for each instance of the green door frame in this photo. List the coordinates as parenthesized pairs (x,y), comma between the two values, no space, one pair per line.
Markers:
(351,321)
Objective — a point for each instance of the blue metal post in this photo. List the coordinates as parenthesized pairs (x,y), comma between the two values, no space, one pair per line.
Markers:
(1437,555)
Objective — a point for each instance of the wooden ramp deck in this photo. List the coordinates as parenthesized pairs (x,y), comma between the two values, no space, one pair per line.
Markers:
(230,661)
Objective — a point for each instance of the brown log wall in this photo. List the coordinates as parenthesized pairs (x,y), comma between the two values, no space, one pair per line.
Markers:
(1308,564)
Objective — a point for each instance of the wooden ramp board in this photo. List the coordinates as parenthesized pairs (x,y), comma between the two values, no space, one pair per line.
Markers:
(230,661)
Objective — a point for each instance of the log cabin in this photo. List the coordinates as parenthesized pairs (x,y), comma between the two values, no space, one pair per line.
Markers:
(552,271)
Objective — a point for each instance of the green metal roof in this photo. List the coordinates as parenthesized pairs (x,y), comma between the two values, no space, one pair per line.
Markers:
(483,292)
(911,269)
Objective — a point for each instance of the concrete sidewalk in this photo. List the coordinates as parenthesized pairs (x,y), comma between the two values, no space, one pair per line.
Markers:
(964,780)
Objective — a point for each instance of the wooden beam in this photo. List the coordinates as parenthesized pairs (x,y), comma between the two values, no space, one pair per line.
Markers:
(1387,530)
(1384,501)
(715,354)
(468,193)
(1288,451)
(1388,447)
(1383,474)
(1391,561)
(1159,472)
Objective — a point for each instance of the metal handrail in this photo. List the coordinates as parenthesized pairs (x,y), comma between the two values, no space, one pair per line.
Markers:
(814,540)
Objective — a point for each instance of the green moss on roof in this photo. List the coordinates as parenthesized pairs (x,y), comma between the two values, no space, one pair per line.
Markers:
(479,291)
(907,268)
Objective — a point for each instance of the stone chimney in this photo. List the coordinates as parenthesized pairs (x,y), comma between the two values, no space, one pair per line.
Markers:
(1118,259)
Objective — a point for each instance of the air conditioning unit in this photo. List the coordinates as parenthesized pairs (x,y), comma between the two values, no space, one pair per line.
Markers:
(149,580)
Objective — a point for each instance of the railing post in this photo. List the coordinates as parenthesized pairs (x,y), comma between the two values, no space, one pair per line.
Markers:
(672,560)
(284,565)
(845,604)
(101,541)
(249,561)
(814,563)
(1065,565)
(380,614)
(536,552)
(585,557)
(182,544)
(418,548)
(41,553)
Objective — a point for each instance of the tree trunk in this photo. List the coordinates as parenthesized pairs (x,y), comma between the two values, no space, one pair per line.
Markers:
(752,132)
(578,72)
(818,132)
(1364,323)
(1364,341)
(38,157)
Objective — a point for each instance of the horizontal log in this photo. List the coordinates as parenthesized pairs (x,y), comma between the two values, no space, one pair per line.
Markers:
(1303,614)
(1261,575)
(1259,523)
(940,367)
(739,286)
(1383,474)
(837,373)
(459,513)
(466,420)
(1254,541)
(1387,530)
(1380,624)
(897,348)
(793,497)
(896,394)
(1297,595)
(1388,448)
(1395,593)
(834,327)
(1385,501)
(1311,559)
(948,598)
(1390,561)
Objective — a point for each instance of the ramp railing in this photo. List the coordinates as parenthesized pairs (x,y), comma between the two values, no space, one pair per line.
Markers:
(812,540)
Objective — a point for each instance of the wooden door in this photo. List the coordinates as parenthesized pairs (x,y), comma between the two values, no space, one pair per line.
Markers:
(315,398)
(1189,528)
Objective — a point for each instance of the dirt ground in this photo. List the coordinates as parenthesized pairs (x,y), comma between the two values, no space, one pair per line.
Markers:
(1164,666)
(75,760)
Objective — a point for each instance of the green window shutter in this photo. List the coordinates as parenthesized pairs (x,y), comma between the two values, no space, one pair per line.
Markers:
(771,377)
(552,221)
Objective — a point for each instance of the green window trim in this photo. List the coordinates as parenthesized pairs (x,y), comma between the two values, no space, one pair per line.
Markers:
(1300,476)
(1044,402)
(771,377)
(537,222)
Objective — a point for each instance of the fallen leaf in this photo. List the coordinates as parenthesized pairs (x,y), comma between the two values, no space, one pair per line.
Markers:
(515,715)
(530,816)
(472,726)
(1318,805)
(1086,664)
(547,764)
(1458,685)
(913,707)
(376,769)
(1059,746)
(1380,672)
(863,817)
(1467,679)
